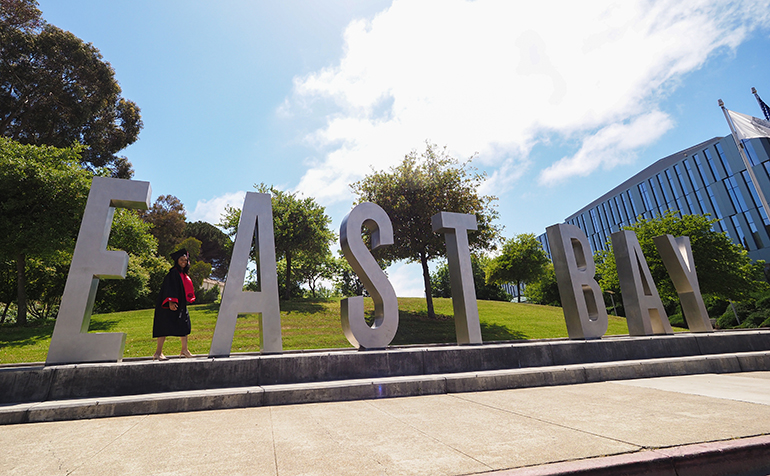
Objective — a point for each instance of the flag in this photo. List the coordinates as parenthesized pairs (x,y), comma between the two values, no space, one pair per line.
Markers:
(748,127)
(762,105)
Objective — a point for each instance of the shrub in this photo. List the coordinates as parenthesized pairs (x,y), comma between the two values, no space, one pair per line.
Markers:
(677,320)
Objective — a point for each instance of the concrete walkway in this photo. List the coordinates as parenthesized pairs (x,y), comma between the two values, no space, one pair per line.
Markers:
(465,433)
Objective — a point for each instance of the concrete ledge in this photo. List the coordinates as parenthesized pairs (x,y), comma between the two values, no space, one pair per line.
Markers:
(747,456)
(38,383)
(363,389)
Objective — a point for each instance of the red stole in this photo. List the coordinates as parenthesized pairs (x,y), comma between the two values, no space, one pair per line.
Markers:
(189,290)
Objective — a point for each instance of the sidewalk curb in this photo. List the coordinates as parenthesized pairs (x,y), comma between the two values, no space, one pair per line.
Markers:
(746,456)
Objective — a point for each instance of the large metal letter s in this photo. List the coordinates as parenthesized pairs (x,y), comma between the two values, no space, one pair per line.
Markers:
(581,296)
(71,342)
(357,331)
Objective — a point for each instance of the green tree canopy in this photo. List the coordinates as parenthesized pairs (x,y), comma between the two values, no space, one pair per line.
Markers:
(216,246)
(441,286)
(145,271)
(411,193)
(545,289)
(346,281)
(522,260)
(312,268)
(300,227)
(724,268)
(167,217)
(55,90)
(21,14)
(43,191)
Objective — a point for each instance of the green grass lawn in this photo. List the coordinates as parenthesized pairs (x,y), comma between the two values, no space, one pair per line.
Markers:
(305,325)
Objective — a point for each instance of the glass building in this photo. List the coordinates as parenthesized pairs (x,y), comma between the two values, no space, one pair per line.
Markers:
(707,178)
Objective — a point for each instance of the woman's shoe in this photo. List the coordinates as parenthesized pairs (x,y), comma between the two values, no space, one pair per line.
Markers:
(159,357)
(186,354)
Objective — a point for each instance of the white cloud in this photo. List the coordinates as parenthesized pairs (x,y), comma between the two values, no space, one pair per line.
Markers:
(211,210)
(611,145)
(407,280)
(498,77)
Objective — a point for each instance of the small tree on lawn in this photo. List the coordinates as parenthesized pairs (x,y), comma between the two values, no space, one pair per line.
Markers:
(300,226)
(421,186)
(522,260)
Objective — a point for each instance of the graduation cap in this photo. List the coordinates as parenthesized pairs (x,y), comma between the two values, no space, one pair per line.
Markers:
(178,254)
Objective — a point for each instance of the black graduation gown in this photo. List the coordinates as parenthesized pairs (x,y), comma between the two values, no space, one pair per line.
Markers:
(166,321)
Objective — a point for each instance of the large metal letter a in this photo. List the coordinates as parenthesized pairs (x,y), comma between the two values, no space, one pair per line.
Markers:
(645,314)
(71,342)
(581,296)
(256,221)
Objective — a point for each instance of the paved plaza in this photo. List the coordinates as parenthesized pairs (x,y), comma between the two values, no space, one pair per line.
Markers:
(452,434)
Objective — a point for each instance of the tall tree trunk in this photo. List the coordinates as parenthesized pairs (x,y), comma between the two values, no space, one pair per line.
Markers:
(21,312)
(426,279)
(287,289)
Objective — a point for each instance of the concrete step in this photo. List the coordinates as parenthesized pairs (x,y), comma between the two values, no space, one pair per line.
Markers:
(39,383)
(373,388)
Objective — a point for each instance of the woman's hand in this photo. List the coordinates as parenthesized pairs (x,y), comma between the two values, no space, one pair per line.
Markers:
(173,306)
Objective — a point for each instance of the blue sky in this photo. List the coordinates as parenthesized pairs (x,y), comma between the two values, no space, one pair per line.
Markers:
(562,100)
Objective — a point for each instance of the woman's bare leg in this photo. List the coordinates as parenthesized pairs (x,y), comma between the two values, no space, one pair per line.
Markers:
(185,351)
(159,349)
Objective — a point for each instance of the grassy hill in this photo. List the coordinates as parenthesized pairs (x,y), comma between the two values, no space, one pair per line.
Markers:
(305,325)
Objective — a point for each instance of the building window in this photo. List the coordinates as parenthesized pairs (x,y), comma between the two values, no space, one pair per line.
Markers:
(645,197)
(678,201)
(754,231)
(682,180)
(595,221)
(663,191)
(723,159)
(735,194)
(739,231)
(718,226)
(610,217)
(690,204)
(703,175)
(622,212)
(755,198)
(712,165)
(701,202)
(690,174)
(748,147)
(603,217)
(656,195)
(630,205)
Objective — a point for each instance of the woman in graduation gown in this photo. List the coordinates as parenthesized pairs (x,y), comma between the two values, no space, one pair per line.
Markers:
(171,316)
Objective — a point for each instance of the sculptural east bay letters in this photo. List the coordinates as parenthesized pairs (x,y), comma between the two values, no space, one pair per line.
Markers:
(583,304)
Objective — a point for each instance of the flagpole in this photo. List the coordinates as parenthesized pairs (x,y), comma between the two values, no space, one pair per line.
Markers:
(746,162)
